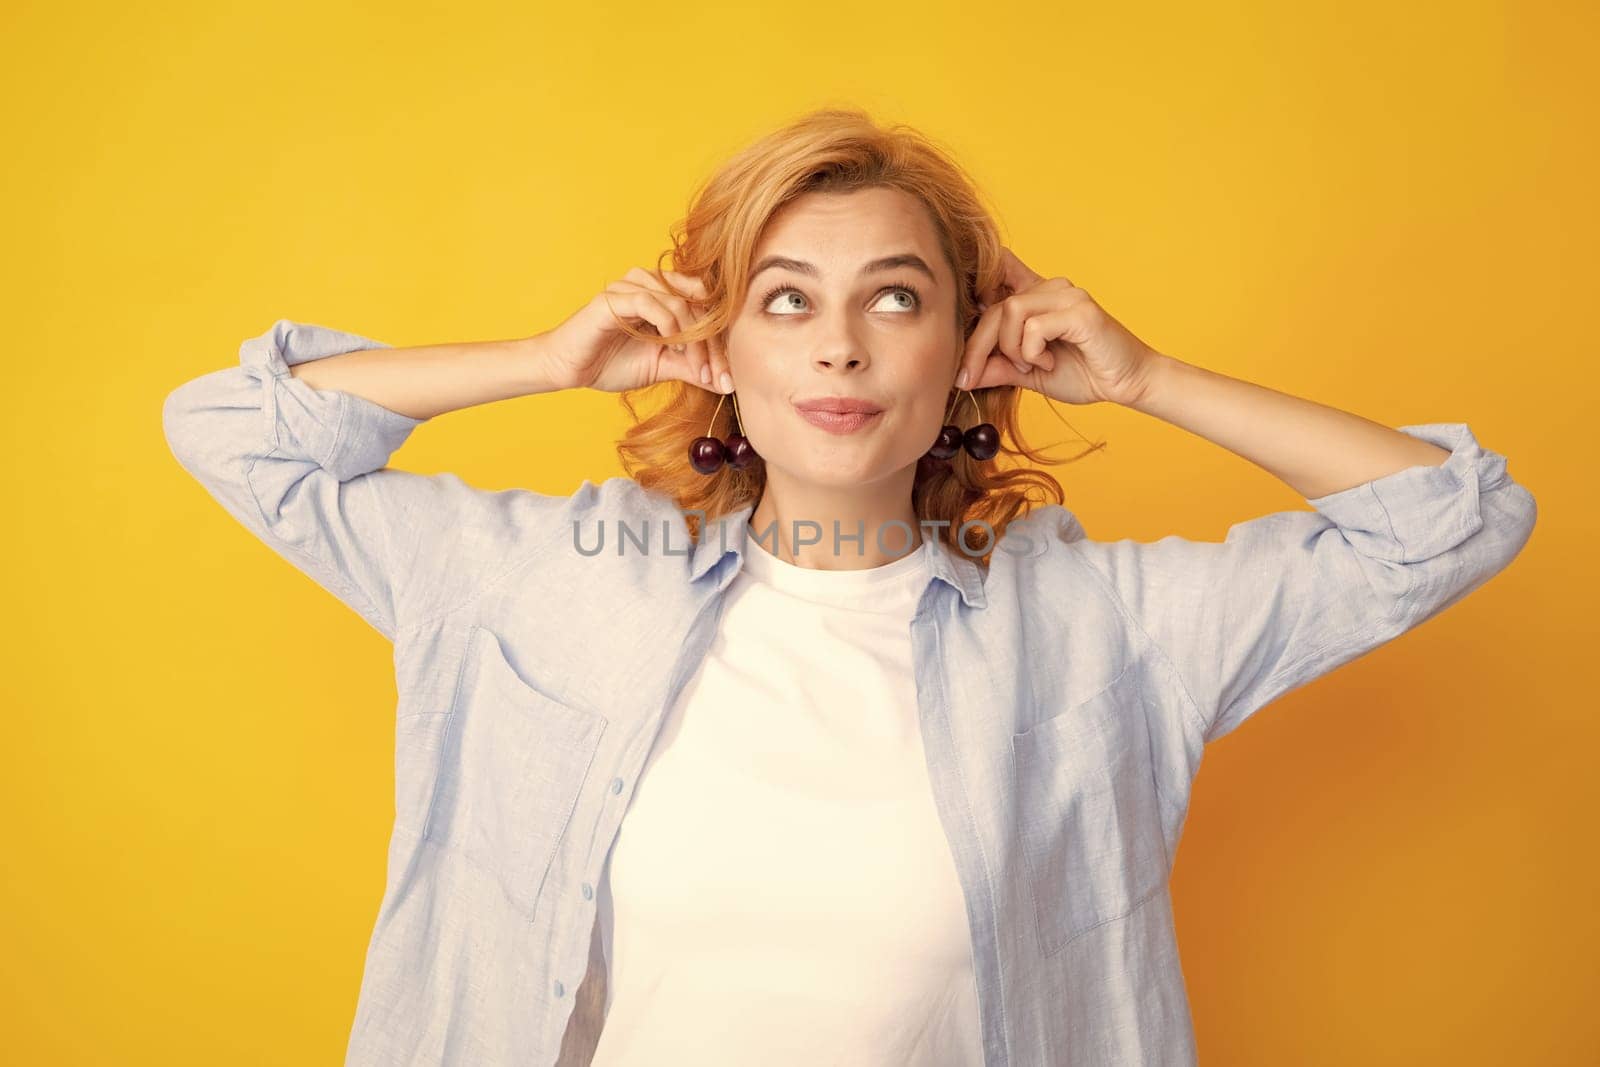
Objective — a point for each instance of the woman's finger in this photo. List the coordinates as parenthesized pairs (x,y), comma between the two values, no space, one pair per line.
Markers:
(1015,313)
(718,375)
(689,283)
(979,344)
(1036,337)
(968,366)
(1043,329)
(996,371)
(1002,329)
(721,369)
(688,314)
(1016,278)
(699,297)
(640,305)
(677,304)
(677,366)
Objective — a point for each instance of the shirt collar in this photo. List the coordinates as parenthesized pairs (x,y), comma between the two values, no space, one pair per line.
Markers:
(725,535)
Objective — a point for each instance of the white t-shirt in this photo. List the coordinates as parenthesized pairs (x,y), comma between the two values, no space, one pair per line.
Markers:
(781,892)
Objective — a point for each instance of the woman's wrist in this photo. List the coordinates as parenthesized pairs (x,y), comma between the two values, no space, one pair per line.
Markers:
(1156,384)
(538,368)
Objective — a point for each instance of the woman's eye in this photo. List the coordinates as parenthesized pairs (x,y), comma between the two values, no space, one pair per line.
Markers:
(786,295)
(910,303)
(784,301)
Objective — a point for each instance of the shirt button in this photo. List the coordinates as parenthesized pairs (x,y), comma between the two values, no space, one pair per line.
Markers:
(616,785)
(588,891)
(560,989)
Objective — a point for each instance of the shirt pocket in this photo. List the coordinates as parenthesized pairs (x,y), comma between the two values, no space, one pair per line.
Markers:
(512,765)
(1089,816)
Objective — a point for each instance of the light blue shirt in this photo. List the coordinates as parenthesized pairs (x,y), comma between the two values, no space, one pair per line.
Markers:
(1065,694)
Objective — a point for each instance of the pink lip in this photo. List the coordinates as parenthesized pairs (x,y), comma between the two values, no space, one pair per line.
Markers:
(837,414)
(838,421)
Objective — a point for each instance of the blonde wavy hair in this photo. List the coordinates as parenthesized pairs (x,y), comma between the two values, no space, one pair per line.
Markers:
(834,150)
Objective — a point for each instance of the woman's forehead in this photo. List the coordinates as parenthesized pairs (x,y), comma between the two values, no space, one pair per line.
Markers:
(844,231)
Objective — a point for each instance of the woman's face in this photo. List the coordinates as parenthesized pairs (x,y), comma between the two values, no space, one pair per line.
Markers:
(824,318)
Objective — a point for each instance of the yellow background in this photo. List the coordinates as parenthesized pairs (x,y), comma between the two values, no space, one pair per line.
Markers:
(1389,209)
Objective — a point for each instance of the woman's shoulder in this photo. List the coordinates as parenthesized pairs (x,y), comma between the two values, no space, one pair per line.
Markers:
(469,521)
(625,519)
(1042,531)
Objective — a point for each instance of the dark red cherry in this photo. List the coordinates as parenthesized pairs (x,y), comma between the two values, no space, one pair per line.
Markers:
(707,454)
(982,441)
(948,444)
(741,453)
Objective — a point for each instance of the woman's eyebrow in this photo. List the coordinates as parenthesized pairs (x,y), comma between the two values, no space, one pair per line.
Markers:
(904,259)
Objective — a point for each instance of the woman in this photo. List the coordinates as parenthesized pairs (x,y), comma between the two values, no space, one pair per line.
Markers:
(904,760)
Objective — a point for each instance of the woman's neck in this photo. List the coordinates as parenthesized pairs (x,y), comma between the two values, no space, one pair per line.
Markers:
(836,529)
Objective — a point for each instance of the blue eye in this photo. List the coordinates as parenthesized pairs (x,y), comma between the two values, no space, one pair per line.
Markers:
(784,290)
(789,290)
(916,301)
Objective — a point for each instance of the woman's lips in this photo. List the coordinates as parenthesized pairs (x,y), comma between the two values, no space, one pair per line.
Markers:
(838,421)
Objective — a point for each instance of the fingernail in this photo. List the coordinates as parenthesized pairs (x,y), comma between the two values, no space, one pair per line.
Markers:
(705,375)
(961,379)
(727,382)
(1022,368)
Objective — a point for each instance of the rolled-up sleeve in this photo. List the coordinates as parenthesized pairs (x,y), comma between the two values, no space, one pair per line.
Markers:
(1290,596)
(304,470)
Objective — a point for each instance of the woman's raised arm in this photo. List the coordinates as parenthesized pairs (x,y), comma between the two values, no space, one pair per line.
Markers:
(427,380)
(293,443)
(1405,523)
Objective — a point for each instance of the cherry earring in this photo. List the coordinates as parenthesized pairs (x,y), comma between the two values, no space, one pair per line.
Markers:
(981,442)
(707,454)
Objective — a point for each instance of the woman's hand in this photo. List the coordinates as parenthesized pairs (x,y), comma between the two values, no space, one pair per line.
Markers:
(1049,335)
(591,352)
